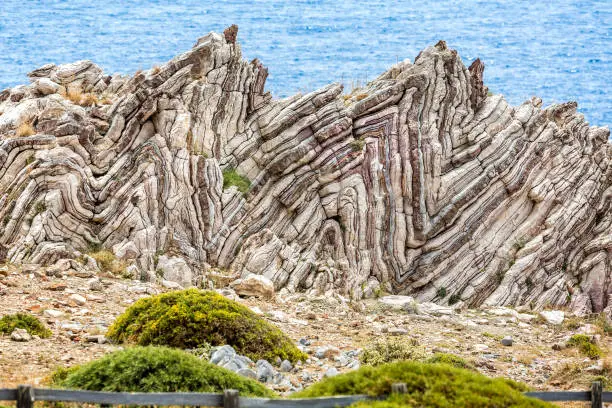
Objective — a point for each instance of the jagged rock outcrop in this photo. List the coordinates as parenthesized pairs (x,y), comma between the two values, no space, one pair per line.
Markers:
(420,183)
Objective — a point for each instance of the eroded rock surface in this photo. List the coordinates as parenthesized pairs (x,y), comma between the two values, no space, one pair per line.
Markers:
(420,183)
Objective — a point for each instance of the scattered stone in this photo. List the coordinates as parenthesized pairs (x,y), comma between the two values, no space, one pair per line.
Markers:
(95,285)
(286,366)
(507,341)
(53,313)
(480,347)
(20,335)
(265,371)
(57,286)
(396,301)
(175,269)
(397,331)
(99,338)
(78,299)
(433,309)
(331,372)
(171,285)
(555,317)
(254,285)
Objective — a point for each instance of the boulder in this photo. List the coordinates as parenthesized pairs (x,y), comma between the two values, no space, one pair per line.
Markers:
(175,269)
(254,285)
(555,317)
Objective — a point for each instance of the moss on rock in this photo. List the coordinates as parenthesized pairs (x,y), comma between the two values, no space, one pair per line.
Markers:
(155,369)
(8,323)
(429,385)
(192,318)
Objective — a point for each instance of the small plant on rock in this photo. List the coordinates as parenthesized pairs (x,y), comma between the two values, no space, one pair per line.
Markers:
(232,178)
(25,321)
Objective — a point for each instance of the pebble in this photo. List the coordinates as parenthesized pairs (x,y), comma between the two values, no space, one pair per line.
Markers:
(507,341)
(99,338)
(480,347)
(95,285)
(53,313)
(78,299)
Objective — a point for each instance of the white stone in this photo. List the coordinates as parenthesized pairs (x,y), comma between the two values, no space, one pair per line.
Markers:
(20,335)
(254,285)
(53,313)
(175,269)
(396,301)
(555,317)
(78,299)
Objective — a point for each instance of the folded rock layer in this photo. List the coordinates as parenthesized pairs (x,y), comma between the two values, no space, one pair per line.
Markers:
(419,183)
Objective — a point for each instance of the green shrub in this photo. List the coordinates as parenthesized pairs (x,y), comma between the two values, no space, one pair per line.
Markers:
(441,292)
(585,345)
(232,178)
(450,359)
(429,385)
(192,318)
(391,350)
(156,369)
(8,323)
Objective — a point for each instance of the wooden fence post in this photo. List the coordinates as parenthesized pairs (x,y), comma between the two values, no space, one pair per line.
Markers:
(231,399)
(25,396)
(399,388)
(596,400)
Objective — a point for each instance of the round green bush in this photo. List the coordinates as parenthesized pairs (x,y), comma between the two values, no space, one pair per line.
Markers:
(155,369)
(429,385)
(192,318)
(8,323)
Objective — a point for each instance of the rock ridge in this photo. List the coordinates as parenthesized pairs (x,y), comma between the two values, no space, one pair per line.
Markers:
(419,183)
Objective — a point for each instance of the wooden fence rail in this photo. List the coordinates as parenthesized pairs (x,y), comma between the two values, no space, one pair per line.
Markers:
(26,396)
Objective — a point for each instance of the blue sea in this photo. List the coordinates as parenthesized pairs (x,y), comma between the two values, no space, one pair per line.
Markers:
(559,50)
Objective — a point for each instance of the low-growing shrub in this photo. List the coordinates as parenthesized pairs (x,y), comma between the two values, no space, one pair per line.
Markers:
(192,318)
(8,323)
(391,350)
(585,345)
(429,385)
(232,178)
(155,369)
(450,359)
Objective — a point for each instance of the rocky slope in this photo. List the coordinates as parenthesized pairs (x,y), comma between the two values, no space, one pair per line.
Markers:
(421,182)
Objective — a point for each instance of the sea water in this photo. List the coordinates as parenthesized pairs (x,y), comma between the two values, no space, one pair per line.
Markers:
(559,50)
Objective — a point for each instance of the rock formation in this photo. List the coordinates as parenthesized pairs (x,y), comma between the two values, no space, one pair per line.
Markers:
(419,183)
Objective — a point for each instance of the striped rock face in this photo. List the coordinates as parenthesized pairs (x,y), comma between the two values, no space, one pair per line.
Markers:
(419,183)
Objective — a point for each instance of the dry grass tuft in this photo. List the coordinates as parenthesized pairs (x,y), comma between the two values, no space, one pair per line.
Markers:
(25,129)
(81,98)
